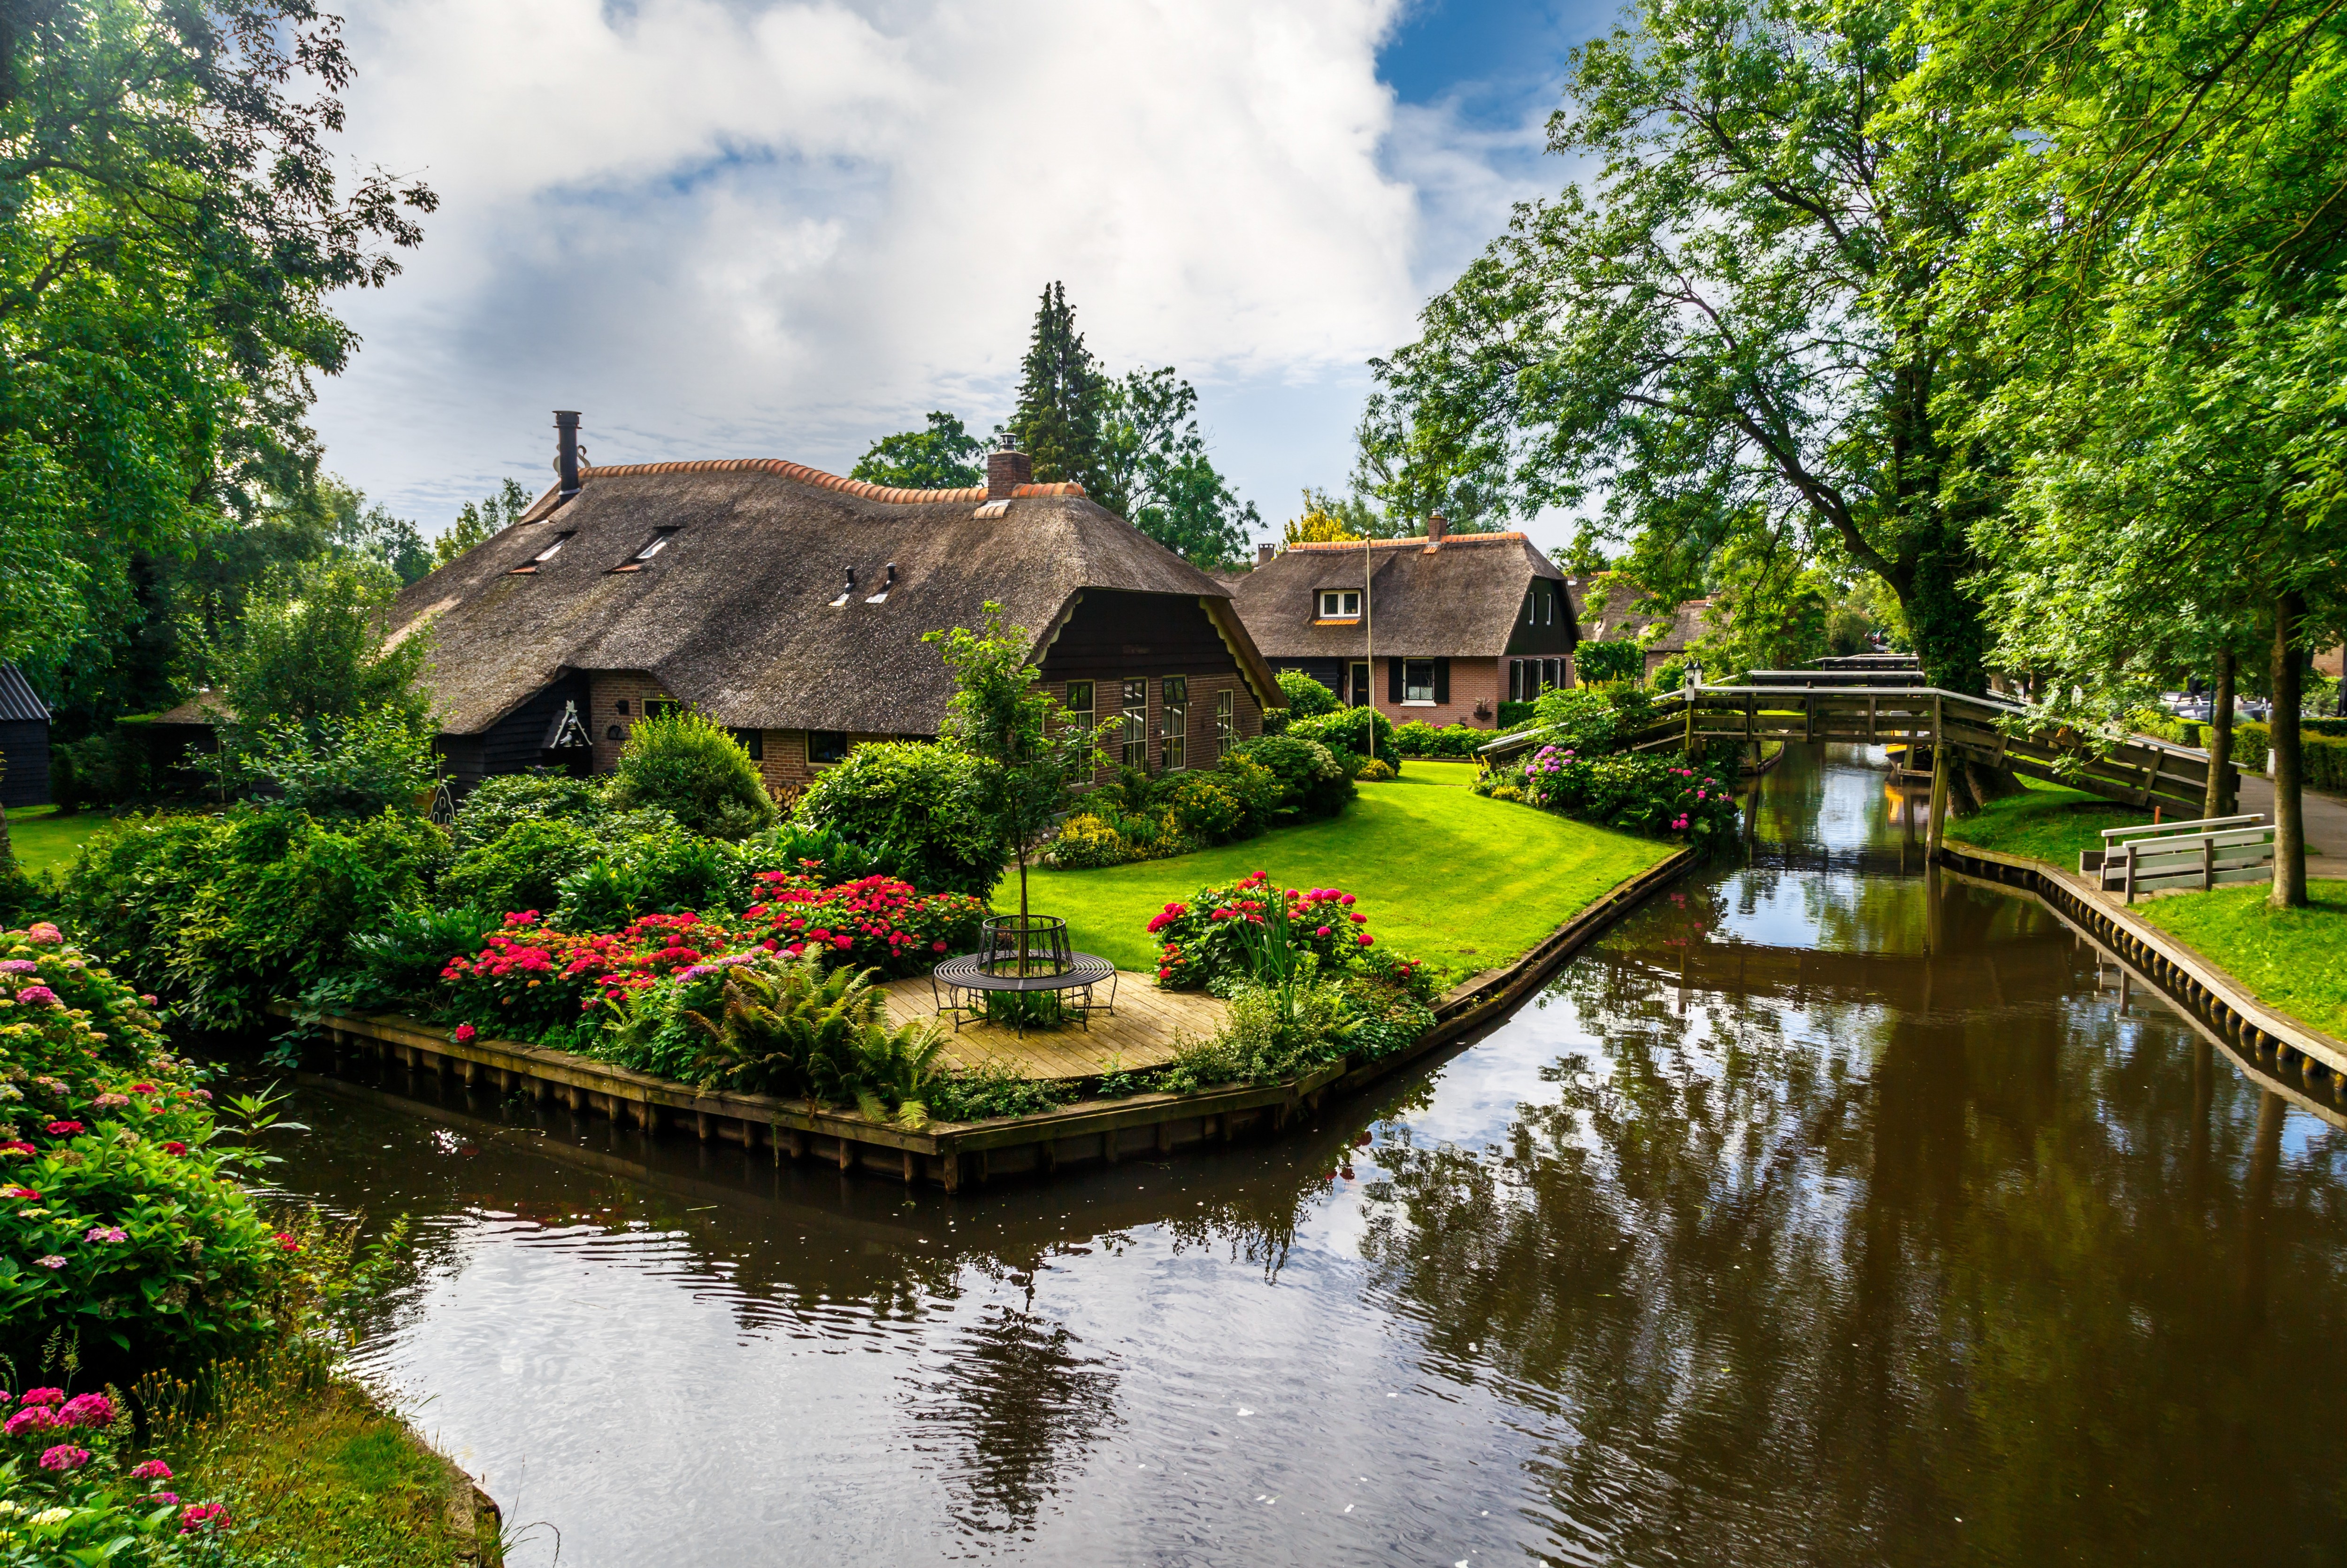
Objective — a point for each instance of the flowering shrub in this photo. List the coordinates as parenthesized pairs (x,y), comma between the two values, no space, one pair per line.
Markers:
(1649,794)
(115,1221)
(875,922)
(1199,942)
(65,1496)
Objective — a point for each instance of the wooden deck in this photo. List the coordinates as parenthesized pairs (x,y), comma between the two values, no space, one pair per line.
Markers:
(1148,1028)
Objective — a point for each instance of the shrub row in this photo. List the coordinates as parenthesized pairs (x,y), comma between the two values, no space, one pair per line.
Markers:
(1270,782)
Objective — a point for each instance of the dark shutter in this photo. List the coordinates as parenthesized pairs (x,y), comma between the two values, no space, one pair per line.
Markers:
(1442,681)
(1393,681)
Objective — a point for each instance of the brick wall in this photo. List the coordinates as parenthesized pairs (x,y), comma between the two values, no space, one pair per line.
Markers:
(1198,732)
(1472,681)
(606,690)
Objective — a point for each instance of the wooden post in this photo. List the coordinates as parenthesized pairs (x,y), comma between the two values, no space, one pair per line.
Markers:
(2129,871)
(1939,778)
(2208,862)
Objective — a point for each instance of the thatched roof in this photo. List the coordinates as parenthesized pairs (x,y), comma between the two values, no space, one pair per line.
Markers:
(735,612)
(1461,598)
(1602,605)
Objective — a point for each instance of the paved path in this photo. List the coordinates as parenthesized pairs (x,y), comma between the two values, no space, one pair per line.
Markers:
(2326,822)
(1148,1026)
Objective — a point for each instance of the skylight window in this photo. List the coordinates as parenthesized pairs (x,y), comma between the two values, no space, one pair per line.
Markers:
(652,546)
(549,552)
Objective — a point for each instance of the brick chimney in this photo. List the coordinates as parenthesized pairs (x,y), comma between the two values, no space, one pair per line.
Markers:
(1263,554)
(1005,471)
(1437,525)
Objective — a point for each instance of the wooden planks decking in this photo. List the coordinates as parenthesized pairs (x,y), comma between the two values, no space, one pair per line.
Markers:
(1148,1028)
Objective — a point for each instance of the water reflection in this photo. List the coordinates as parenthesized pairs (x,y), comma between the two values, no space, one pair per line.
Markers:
(1823,1212)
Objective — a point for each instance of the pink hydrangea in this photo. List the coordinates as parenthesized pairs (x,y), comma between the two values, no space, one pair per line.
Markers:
(107,1233)
(37,996)
(42,934)
(166,1497)
(87,1411)
(201,1516)
(65,1456)
(18,967)
(37,1418)
(465,1034)
(153,1470)
(43,1397)
(52,1261)
(63,1129)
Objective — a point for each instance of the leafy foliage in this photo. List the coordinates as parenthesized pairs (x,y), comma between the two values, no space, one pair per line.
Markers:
(944,456)
(918,807)
(1363,732)
(788,1026)
(685,764)
(1598,662)
(1457,743)
(1156,473)
(1306,698)
(1645,793)
(477,522)
(1063,394)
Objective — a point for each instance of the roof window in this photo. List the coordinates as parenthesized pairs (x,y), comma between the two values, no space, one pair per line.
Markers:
(1340,604)
(652,546)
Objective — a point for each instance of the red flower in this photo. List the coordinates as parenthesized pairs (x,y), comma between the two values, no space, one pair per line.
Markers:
(64,1128)
(286,1242)
(175,1147)
(465,1033)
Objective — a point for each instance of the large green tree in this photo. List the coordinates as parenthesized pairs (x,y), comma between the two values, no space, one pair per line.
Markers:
(1063,394)
(171,227)
(1729,330)
(2157,264)
(944,456)
(1156,473)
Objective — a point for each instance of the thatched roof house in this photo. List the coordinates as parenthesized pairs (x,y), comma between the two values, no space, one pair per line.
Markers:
(1441,626)
(790,604)
(1604,605)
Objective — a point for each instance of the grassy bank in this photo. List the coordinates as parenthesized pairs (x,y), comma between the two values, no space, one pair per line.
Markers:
(2047,821)
(44,841)
(2294,960)
(1445,876)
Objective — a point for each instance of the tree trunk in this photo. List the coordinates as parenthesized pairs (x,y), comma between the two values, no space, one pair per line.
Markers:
(2290,820)
(2219,801)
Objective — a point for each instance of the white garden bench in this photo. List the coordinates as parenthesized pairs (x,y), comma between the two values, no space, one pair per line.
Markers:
(2203,853)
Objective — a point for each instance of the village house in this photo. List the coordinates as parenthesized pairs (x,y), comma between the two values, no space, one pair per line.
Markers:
(1604,608)
(1441,627)
(24,741)
(790,604)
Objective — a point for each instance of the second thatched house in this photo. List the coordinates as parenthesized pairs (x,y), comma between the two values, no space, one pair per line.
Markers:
(790,604)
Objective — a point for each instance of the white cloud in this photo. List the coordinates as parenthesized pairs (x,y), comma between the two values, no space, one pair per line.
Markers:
(743,230)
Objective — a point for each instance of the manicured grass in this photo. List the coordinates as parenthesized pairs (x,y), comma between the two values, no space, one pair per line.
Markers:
(44,841)
(1447,877)
(311,1469)
(2292,959)
(2048,822)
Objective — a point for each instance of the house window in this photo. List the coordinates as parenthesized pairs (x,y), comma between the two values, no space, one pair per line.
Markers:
(1226,723)
(1173,719)
(661,707)
(1418,683)
(1078,708)
(1340,604)
(753,742)
(1552,672)
(827,746)
(1135,749)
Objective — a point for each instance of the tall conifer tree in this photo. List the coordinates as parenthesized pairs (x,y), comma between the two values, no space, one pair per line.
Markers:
(1062,392)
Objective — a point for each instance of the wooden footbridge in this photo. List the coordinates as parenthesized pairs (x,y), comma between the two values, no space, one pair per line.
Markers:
(1890,706)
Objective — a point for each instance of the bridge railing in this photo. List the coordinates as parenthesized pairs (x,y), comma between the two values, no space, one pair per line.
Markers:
(2137,771)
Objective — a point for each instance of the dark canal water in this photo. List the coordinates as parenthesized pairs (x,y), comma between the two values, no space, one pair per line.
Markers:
(1821,1215)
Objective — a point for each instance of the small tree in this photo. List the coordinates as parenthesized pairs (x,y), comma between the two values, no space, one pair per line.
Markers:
(1030,758)
(692,767)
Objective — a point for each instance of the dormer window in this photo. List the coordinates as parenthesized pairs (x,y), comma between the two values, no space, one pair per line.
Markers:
(652,546)
(1340,604)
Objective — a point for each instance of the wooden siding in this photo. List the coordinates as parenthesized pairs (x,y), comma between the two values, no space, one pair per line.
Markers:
(24,746)
(1113,638)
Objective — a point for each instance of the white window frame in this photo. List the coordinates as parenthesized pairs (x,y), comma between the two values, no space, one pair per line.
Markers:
(1409,686)
(1340,604)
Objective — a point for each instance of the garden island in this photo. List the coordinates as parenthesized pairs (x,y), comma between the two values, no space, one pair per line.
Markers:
(1726,957)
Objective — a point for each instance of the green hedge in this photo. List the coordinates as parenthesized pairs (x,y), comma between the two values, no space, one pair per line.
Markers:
(1458,742)
(2322,759)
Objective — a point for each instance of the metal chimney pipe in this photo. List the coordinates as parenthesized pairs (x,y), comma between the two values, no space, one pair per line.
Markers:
(566,449)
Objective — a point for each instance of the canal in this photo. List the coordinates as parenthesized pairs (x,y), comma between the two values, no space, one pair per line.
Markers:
(1822,1213)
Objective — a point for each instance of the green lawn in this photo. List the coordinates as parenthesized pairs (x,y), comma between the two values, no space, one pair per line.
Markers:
(2291,960)
(1464,883)
(44,841)
(2048,822)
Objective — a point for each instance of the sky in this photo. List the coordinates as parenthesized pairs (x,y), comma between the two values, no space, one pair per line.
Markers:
(731,229)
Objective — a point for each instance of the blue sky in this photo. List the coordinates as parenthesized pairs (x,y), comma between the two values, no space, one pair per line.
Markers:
(737,227)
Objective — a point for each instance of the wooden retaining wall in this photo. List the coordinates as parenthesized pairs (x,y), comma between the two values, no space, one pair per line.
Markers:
(2186,978)
(953,1154)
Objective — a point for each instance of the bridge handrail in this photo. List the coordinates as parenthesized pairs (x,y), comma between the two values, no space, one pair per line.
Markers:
(1675,702)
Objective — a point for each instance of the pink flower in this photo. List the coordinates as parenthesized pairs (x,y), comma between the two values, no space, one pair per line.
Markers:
(18,967)
(1367,940)
(1359,919)
(202,1516)
(87,1411)
(153,1470)
(465,1033)
(65,1456)
(52,1261)
(38,1418)
(20,1193)
(43,1397)
(63,1129)
(37,996)
(42,934)
(175,1147)
(286,1242)
(1321,932)
(107,1233)
(170,1497)
(1346,900)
